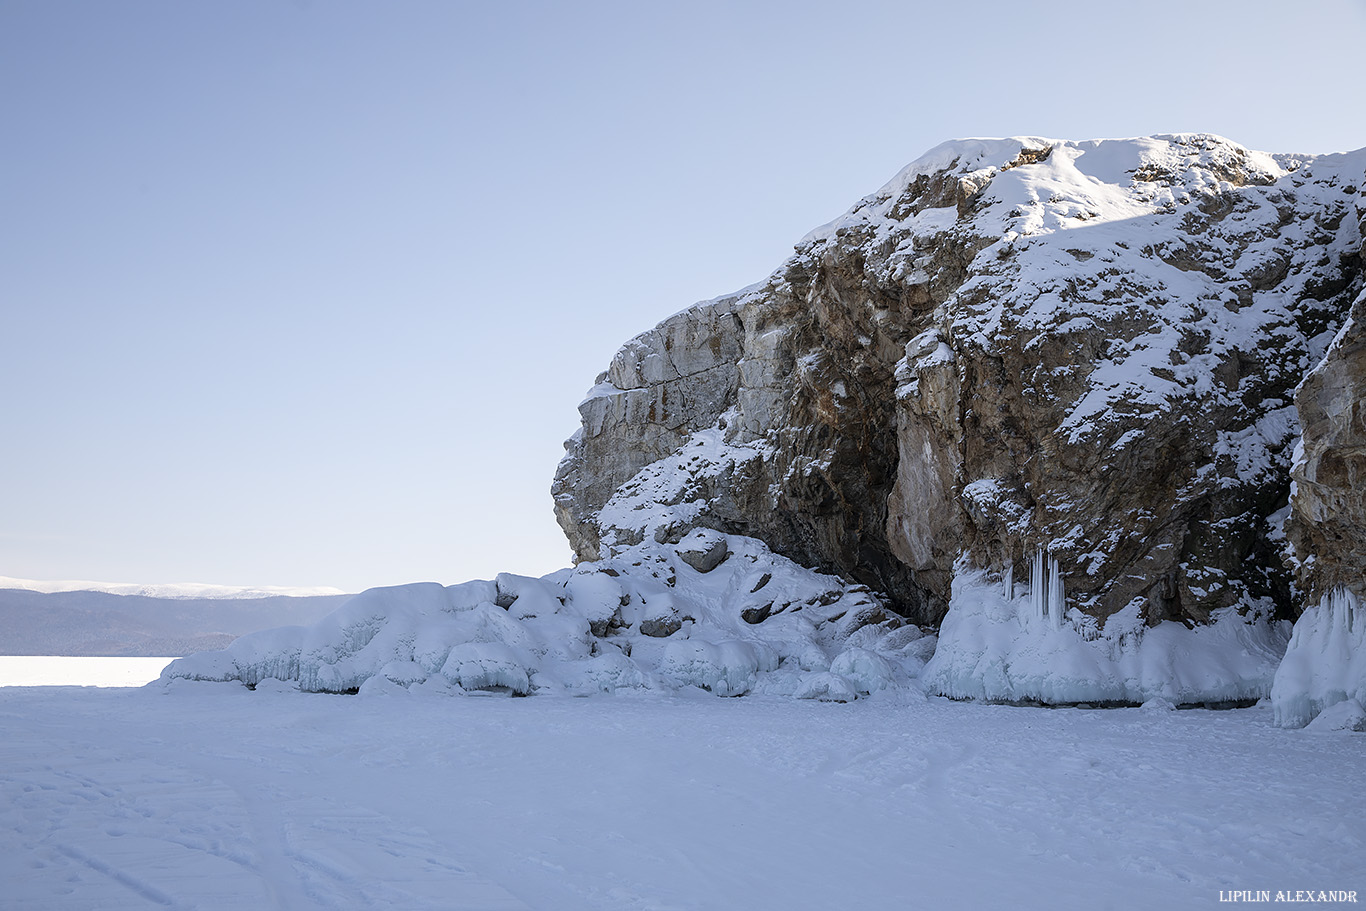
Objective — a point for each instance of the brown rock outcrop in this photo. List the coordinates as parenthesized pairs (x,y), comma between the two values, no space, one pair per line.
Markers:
(1327,527)
(1016,344)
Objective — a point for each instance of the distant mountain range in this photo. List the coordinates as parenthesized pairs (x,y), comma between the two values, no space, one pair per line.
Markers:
(92,618)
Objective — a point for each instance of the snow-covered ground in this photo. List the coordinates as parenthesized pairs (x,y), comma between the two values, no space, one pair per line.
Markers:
(215,796)
(65,670)
(431,788)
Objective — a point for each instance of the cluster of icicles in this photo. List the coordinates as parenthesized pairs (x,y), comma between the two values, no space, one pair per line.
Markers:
(1047,596)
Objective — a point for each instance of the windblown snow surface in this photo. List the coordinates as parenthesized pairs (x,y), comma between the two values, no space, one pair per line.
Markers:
(203,795)
(836,782)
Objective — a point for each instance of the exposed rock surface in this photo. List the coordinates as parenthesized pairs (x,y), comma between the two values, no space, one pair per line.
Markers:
(1327,526)
(1085,347)
(703,550)
(1322,678)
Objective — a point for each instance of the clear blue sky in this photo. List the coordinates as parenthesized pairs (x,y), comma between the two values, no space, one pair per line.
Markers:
(307,293)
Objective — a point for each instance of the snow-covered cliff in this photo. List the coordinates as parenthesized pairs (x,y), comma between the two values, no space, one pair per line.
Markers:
(1085,348)
(1039,394)
(1089,347)
(1323,677)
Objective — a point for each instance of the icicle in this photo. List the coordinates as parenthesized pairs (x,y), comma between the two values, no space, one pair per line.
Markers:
(1047,596)
(1008,581)
(1057,602)
(1341,606)
(1037,581)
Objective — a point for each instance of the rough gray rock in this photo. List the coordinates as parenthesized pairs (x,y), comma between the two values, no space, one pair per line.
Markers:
(1327,523)
(660,386)
(703,550)
(1327,526)
(660,627)
(1015,344)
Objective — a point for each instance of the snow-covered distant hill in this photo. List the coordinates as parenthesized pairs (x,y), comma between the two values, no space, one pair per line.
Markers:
(100,618)
(205,591)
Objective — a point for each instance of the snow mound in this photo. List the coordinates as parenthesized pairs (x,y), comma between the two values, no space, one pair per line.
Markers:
(1325,663)
(727,668)
(867,671)
(487,666)
(715,612)
(1341,716)
(826,688)
(1014,646)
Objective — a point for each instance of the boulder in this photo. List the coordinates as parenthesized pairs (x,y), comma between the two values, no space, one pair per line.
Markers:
(703,550)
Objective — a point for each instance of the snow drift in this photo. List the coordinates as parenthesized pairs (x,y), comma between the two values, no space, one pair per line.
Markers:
(719,613)
(723,614)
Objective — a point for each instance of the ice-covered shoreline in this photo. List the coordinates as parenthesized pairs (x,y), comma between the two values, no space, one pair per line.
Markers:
(79,670)
(715,612)
(723,614)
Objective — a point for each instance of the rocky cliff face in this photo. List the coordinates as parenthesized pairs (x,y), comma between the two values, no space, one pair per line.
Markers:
(1321,680)
(1089,348)
(1327,526)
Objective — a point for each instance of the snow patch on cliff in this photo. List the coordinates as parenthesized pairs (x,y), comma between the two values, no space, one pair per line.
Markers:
(1109,232)
(668,496)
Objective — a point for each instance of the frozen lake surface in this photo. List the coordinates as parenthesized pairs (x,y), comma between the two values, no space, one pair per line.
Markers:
(63,670)
(212,796)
